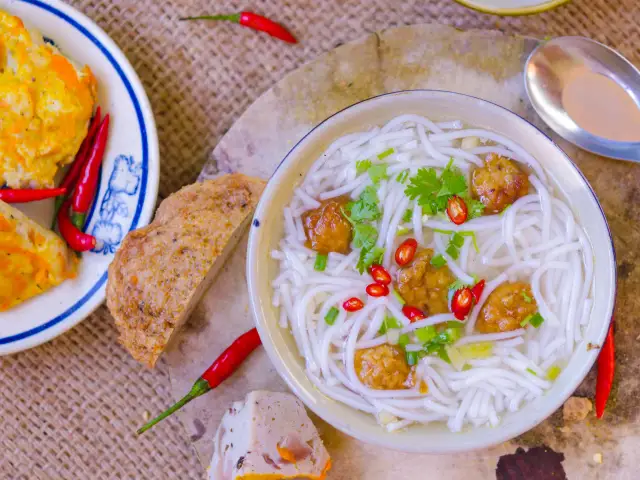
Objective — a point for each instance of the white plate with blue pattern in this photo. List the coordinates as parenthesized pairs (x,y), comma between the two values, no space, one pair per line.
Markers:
(128,184)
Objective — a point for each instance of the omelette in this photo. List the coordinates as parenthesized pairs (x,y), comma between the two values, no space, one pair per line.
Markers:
(32,258)
(46,103)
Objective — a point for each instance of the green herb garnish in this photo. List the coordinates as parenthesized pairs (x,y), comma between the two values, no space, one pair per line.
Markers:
(364,235)
(402,176)
(403,340)
(553,372)
(365,209)
(526,297)
(426,334)
(536,320)
(438,261)
(457,285)
(331,315)
(402,230)
(475,207)
(457,240)
(369,256)
(378,172)
(386,153)
(362,166)
(387,323)
(321,262)
(412,358)
(408,213)
(453,251)
(532,372)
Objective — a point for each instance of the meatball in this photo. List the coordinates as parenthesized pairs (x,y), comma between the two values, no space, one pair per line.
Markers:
(425,286)
(506,308)
(384,367)
(326,227)
(499,183)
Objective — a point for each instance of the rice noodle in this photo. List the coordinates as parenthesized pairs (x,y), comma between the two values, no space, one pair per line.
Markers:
(536,240)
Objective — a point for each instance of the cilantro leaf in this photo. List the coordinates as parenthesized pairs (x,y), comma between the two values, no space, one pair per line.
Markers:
(369,256)
(423,185)
(365,208)
(362,166)
(364,236)
(476,208)
(378,172)
(453,181)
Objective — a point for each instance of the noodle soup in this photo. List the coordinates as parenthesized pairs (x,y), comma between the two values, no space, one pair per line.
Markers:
(429,273)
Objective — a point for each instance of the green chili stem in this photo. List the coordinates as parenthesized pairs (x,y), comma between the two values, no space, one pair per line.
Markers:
(199,388)
(234,17)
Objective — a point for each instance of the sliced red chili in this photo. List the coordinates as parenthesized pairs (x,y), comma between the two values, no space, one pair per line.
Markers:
(412,313)
(461,303)
(377,290)
(457,210)
(606,369)
(477,290)
(353,304)
(380,274)
(406,251)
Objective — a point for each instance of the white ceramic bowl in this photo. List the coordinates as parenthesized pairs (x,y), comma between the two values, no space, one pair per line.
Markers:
(129,180)
(267,231)
(512,7)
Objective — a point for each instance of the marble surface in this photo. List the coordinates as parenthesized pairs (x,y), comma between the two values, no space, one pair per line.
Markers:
(480,63)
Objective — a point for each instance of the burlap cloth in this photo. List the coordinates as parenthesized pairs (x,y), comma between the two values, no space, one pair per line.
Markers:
(69,408)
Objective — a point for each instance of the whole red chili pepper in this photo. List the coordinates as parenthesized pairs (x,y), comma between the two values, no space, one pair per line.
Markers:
(10,195)
(253,21)
(606,369)
(88,181)
(78,241)
(221,369)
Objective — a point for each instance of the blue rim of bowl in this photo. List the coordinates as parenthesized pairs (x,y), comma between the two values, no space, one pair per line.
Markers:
(300,391)
(143,182)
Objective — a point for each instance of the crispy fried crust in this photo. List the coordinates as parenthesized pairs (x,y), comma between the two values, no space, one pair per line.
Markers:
(160,271)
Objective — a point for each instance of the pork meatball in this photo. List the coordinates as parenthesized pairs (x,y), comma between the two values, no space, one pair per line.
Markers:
(506,308)
(424,286)
(326,227)
(499,183)
(384,367)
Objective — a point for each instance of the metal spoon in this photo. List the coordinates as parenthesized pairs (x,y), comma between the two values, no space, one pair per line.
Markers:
(547,71)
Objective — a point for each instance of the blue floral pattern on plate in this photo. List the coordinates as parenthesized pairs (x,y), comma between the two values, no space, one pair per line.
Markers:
(123,185)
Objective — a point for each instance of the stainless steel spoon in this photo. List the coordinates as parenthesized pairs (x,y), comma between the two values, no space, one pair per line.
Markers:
(547,71)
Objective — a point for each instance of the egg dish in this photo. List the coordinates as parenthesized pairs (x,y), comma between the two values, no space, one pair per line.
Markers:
(46,103)
(32,259)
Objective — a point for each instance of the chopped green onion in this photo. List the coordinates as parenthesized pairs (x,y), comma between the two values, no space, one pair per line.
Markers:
(532,372)
(362,166)
(404,340)
(321,262)
(536,320)
(331,315)
(526,321)
(412,358)
(454,334)
(408,213)
(526,297)
(454,324)
(553,372)
(398,297)
(438,261)
(402,230)
(453,251)
(422,354)
(426,334)
(457,240)
(378,172)
(442,353)
(387,323)
(476,350)
(386,153)
(402,176)
(466,367)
